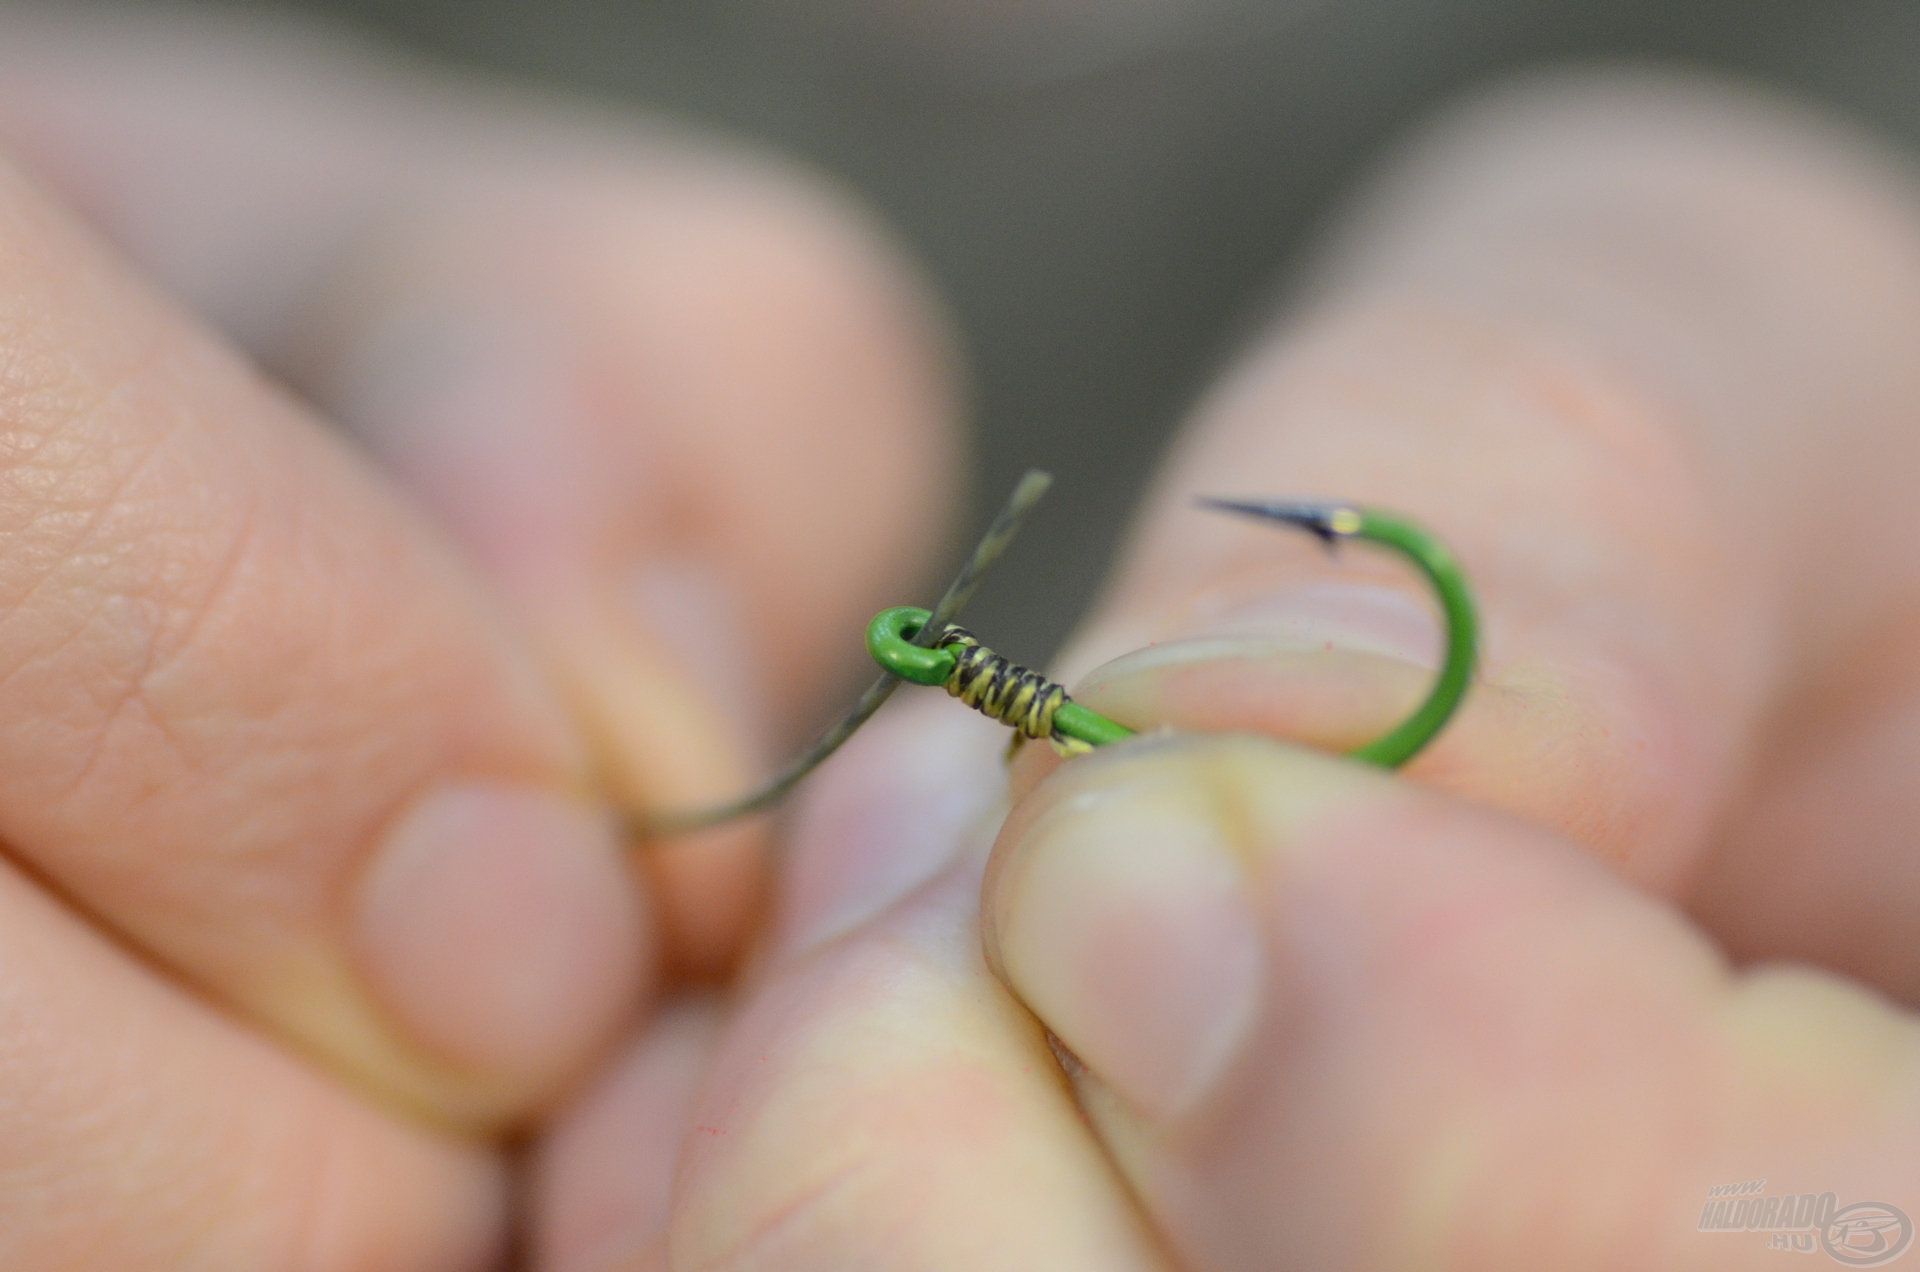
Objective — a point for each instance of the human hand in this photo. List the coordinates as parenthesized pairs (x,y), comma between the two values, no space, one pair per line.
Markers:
(307,896)
(1641,352)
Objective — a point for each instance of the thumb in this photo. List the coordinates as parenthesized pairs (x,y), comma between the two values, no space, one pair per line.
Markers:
(1326,1019)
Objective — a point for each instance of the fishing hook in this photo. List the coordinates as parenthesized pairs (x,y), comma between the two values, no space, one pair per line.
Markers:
(1039,708)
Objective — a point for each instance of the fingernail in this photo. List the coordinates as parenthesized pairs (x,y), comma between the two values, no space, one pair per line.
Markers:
(500,929)
(1124,919)
(1312,618)
(1337,616)
(1329,618)
(893,813)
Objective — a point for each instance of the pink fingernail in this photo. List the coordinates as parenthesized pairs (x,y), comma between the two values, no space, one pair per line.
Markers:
(1337,616)
(500,928)
(1124,921)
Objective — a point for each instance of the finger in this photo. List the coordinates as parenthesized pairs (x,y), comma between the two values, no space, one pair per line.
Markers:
(1817,861)
(604,1169)
(1812,860)
(878,1102)
(253,718)
(878,823)
(671,496)
(141,1129)
(1567,342)
(673,395)
(1324,1019)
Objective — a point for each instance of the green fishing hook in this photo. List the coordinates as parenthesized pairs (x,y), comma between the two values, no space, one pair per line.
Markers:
(1039,708)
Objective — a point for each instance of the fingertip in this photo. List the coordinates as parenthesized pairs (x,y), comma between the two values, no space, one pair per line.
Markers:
(711,887)
(1278,969)
(487,904)
(1126,904)
(893,810)
(1585,731)
(603,1172)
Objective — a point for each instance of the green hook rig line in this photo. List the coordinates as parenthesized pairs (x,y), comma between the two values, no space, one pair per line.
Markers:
(927,648)
(999,536)
(1039,708)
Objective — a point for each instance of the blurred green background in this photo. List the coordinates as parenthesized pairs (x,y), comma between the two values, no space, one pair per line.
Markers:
(1105,190)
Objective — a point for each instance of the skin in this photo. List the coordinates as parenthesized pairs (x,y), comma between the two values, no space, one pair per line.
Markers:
(306,908)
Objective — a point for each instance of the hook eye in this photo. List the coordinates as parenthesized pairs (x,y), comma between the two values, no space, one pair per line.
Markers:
(890,640)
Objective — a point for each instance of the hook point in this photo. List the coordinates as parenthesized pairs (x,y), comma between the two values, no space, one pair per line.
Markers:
(1326,520)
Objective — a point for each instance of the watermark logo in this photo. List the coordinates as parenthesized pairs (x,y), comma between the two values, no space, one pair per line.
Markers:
(1866,1234)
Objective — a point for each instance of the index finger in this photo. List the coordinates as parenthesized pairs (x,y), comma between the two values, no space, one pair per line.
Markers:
(1610,340)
